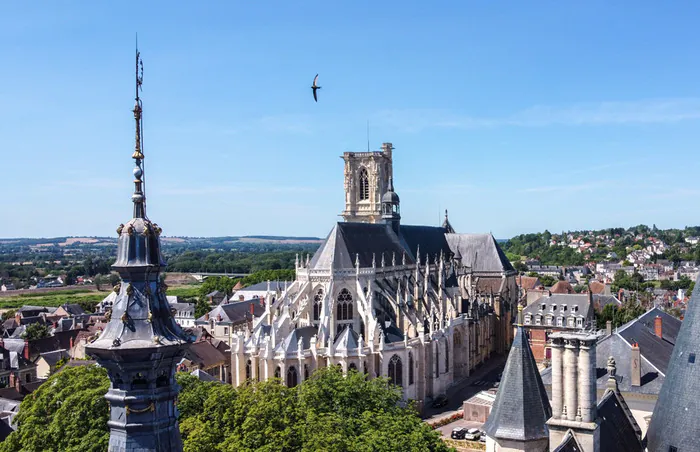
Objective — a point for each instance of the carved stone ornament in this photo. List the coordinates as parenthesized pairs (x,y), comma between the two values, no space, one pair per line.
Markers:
(119,229)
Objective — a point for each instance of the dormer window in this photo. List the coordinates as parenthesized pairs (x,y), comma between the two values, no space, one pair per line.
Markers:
(563,308)
(528,319)
(538,320)
(575,308)
(560,321)
(543,307)
(549,321)
(554,307)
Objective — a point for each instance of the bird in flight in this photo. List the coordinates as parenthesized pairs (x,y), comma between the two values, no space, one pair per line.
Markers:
(315,87)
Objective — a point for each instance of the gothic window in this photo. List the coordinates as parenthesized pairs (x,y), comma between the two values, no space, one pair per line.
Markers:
(395,371)
(306,371)
(410,368)
(318,299)
(364,365)
(247,370)
(352,367)
(344,309)
(447,358)
(278,372)
(291,377)
(364,185)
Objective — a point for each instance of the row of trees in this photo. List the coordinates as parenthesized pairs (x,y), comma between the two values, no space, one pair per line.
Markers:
(328,412)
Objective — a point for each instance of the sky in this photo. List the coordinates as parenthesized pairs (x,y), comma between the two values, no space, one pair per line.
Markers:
(515,116)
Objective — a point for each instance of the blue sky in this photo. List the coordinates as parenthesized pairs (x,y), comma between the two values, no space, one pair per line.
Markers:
(516,116)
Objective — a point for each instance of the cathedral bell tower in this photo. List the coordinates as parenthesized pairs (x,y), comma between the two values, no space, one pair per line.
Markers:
(391,211)
(367,175)
(141,345)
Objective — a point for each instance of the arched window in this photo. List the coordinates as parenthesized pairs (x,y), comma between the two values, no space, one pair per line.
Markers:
(410,368)
(291,377)
(395,371)
(318,299)
(364,185)
(248,376)
(366,369)
(306,371)
(352,366)
(344,310)
(278,372)
(447,357)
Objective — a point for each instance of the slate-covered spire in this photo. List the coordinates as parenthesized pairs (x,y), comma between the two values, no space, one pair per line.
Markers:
(675,423)
(141,345)
(446,224)
(521,408)
(391,212)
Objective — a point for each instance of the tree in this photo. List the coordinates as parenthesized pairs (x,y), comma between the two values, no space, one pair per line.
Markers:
(67,413)
(201,307)
(327,412)
(36,331)
(7,314)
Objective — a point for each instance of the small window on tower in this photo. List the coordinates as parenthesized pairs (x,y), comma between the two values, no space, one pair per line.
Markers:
(691,358)
(364,185)
(672,449)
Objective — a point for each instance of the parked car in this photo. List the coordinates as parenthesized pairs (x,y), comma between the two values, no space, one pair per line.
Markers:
(473,434)
(440,401)
(482,438)
(458,433)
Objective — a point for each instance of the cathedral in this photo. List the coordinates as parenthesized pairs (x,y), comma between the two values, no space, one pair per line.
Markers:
(420,305)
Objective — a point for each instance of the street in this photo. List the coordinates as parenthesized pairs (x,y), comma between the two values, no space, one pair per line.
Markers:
(485,377)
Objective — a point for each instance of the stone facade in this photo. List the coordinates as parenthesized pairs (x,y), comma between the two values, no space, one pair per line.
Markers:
(384,299)
(367,177)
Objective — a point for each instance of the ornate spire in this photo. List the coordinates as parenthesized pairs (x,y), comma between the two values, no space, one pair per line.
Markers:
(446,225)
(141,344)
(139,196)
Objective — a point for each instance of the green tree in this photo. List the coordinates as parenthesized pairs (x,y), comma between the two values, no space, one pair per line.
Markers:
(67,413)
(201,307)
(36,331)
(7,314)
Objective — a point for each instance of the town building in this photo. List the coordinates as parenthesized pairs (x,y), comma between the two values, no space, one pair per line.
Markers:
(555,313)
(522,418)
(421,305)
(642,350)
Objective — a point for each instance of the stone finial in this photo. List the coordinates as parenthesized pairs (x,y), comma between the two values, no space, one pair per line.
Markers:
(383,263)
(612,370)
(393,259)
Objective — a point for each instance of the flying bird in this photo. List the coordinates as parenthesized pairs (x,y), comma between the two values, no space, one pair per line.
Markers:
(315,87)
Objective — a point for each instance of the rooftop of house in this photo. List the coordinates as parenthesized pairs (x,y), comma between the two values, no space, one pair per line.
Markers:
(204,355)
(561,304)
(233,313)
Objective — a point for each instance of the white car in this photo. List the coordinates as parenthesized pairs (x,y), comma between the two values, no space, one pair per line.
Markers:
(473,434)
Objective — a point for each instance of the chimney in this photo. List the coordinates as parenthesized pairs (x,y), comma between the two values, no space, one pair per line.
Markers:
(12,379)
(608,328)
(26,350)
(18,318)
(206,316)
(18,383)
(659,327)
(241,298)
(71,343)
(252,309)
(636,376)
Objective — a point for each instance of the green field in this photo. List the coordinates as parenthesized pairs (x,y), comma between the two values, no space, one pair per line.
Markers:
(74,296)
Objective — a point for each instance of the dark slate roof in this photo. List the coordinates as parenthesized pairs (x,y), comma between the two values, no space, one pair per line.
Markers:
(641,330)
(365,240)
(569,444)
(521,408)
(73,309)
(290,344)
(234,313)
(676,418)
(432,241)
(204,354)
(274,285)
(479,251)
(616,431)
(55,356)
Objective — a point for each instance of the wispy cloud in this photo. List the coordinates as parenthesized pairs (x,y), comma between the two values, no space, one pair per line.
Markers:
(567,188)
(219,189)
(106,184)
(598,113)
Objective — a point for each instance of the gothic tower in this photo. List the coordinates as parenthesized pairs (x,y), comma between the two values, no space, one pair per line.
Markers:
(141,345)
(367,177)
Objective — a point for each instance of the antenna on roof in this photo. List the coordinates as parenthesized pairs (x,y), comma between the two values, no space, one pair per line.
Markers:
(368,135)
